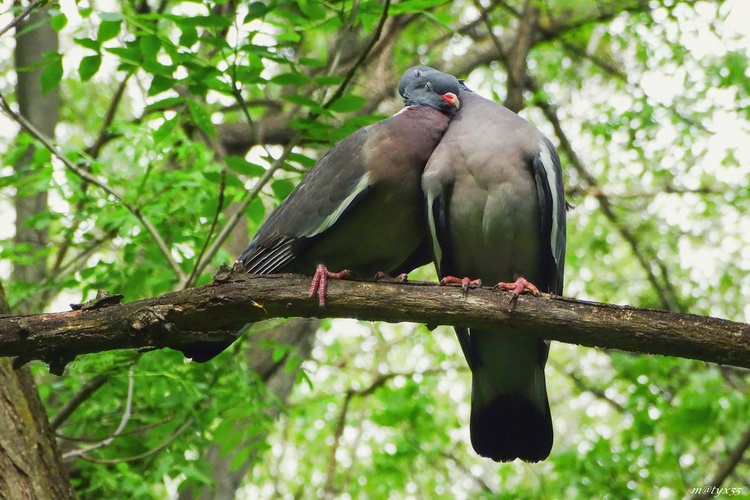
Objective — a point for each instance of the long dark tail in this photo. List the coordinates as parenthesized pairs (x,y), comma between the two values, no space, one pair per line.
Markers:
(201,352)
(510,415)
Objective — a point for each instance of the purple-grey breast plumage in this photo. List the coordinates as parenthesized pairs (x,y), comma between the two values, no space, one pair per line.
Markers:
(360,207)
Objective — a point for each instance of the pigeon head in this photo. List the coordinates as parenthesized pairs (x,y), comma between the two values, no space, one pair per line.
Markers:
(425,86)
(419,75)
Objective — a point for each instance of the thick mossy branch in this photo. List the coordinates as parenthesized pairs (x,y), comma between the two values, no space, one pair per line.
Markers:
(216,311)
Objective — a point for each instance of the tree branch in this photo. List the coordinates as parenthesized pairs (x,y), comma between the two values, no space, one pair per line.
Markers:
(20,17)
(216,311)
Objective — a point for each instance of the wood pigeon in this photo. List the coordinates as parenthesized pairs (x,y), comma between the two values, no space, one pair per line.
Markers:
(496,211)
(359,211)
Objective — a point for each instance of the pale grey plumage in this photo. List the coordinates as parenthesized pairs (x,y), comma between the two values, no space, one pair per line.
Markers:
(496,210)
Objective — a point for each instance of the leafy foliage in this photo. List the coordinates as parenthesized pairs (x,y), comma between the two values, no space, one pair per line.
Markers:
(178,109)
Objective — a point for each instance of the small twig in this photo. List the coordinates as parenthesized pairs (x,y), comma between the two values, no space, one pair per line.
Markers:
(729,465)
(86,176)
(103,135)
(463,468)
(190,281)
(361,418)
(328,489)
(641,193)
(139,456)
(582,386)
(350,74)
(123,422)
(137,430)
(20,17)
(235,218)
(84,393)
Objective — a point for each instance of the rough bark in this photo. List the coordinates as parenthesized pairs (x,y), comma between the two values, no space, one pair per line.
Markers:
(30,462)
(216,311)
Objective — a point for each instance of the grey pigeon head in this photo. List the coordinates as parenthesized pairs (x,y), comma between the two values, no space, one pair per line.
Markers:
(425,86)
(419,76)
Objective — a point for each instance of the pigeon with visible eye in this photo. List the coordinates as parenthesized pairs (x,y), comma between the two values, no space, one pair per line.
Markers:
(496,212)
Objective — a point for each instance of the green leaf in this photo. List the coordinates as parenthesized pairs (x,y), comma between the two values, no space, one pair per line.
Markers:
(288,36)
(312,9)
(150,46)
(15,154)
(303,160)
(255,10)
(281,188)
(154,67)
(126,54)
(290,79)
(256,212)
(42,156)
(188,36)
(89,43)
(108,30)
(168,103)
(304,101)
(278,353)
(52,74)
(112,17)
(314,63)
(329,80)
(202,119)
(216,22)
(244,167)
(240,457)
(89,66)
(292,363)
(347,104)
(58,21)
(164,130)
(159,84)
(414,6)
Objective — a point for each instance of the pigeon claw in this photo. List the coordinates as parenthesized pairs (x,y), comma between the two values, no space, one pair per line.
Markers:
(518,287)
(465,283)
(401,278)
(319,285)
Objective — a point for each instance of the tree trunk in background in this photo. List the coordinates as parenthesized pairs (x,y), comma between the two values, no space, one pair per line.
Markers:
(30,462)
(42,111)
(297,332)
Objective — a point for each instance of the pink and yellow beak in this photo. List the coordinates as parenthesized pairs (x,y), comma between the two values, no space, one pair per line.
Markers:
(451,99)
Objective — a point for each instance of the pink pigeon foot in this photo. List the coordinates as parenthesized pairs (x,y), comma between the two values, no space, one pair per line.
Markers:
(319,284)
(465,283)
(518,287)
